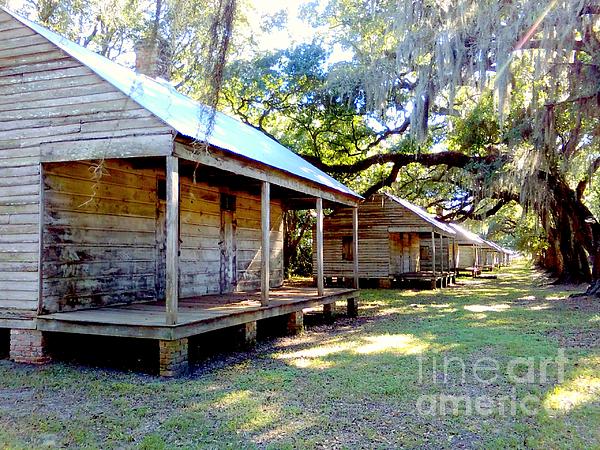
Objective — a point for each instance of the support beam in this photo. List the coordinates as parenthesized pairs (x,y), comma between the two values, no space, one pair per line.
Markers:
(173,357)
(355,245)
(295,323)
(172,244)
(41,224)
(433,251)
(265,221)
(352,305)
(455,250)
(28,346)
(248,335)
(320,286)
(441,254)
(328,309)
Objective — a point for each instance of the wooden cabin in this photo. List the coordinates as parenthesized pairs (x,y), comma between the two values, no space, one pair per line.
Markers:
(398,243)
(491,255)
(469,251)
(120,216)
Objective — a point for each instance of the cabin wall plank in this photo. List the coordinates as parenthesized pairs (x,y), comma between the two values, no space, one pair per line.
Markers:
(102,237)
(99,234)
(200,236)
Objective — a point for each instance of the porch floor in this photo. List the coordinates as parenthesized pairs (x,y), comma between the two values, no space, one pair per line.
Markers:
(424,275)
(196,315)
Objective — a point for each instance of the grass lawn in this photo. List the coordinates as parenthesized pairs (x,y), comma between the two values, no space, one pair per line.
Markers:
(378,381)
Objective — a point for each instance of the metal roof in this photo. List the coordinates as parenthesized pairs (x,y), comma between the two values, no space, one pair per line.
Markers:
(495,246)
(421,213)
(188,117)
(466,234)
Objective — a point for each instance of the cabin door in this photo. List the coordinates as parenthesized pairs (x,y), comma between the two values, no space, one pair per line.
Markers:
(227,244)
(404,253)
(396,266)
(161,241)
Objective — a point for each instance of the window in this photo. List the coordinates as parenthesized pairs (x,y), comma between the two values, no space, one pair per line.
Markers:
(347,248)
(161,189)
(424,252)
(227,202)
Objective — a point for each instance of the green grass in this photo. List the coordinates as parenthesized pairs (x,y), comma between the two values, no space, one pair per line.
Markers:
(354,384)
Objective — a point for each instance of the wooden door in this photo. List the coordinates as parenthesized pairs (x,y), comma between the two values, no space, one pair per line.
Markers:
(414,252)
(406,260)
(228,269)
(395,253)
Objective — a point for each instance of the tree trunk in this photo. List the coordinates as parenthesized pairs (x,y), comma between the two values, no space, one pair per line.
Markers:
(578,235)
(575,267)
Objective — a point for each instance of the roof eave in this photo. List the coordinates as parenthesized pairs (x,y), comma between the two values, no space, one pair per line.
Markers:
(251,168)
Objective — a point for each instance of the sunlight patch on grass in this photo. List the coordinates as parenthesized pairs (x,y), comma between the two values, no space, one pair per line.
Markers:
(583,389)
(479,316)
(234,397)
(487,308)
(247,411)
(410,293)
(401,344)
(311,363)
(540,307)
(405,344)
(390,311)
(319,351)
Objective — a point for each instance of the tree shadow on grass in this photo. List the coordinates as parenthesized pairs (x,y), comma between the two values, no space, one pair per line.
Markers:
(350,384)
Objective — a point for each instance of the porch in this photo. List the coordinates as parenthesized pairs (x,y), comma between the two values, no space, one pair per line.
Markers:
(434,279)
(196,315)
(473,271)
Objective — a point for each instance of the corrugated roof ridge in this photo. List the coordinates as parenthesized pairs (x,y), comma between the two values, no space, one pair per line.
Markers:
(467,233)
(420,212)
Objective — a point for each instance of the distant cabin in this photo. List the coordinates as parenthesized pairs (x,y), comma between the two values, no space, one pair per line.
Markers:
(476,254)
(469,251)
(493,255)
(398,243)
(119,216)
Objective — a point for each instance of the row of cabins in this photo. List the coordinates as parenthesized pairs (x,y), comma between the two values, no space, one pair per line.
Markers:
(399,244)
(120,216)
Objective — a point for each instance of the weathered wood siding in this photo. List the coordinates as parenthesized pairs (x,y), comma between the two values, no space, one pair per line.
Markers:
(378,216)
(404,253)
(103,241)
(466,256)
(99,239)
(47,100)
(201,236)
(444,256)
(373,243)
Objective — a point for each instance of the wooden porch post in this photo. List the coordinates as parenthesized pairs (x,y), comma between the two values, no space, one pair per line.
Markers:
(355,244)
(442,254)
(265,221)
(320,286)
(172,238)
(433,251)
(454,251)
